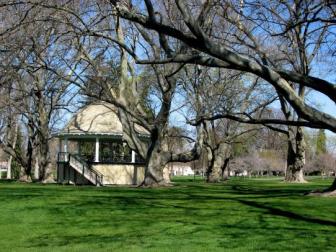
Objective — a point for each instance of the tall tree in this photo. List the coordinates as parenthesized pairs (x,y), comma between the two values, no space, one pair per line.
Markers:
(321,142)
(220,52)
(104,71)
(38,93)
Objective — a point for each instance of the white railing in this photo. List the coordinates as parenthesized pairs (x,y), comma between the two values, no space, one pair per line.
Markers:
(78,164)
(83,168)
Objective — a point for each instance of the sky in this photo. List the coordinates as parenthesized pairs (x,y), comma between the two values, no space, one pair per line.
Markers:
(327,106)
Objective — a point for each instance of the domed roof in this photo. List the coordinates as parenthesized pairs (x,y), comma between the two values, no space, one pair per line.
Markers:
(97,119)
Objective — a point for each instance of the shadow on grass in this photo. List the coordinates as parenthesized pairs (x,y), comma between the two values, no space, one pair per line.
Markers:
(116,217)
(278,212)
(268,193)
(66,240)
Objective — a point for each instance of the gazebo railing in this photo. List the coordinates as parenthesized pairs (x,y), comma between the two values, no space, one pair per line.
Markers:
(78,164)
(63,157)
(83,168)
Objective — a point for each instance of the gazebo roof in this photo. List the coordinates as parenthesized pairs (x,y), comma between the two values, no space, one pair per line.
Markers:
(97,120)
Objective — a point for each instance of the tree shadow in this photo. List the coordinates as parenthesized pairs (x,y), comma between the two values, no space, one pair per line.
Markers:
(266,192)
(202,207)
(279,212)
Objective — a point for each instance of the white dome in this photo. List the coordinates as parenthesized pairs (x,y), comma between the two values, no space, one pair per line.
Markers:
(97,119)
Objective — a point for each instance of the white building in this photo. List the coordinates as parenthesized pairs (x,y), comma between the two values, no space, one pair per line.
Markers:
(92,149)
(180,169)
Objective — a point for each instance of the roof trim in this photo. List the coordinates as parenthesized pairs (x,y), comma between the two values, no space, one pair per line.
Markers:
(93,134)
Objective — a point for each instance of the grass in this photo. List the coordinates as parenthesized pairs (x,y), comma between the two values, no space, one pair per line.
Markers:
(240,215)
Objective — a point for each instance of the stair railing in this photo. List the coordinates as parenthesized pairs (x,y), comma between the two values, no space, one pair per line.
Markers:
(77,162)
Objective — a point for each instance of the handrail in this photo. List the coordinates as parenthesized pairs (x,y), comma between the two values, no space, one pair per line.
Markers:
(63,157)
(86,169)
(79,159)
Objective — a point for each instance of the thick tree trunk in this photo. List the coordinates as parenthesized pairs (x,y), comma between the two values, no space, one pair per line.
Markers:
(214,172)
(333,186)
(45,171)
(9,167)
(295,156)
(36,169)
(48,176)
(225,169)
(10,159)
(331,191)
(155,174)
(25,176)
(26,172)
(210,173)
(216,163)
(43,152)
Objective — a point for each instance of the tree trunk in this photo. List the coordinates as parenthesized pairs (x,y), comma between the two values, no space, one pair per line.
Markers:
(333,186)
(156,161)
(45,171)
(331,191)
(225,169)
(9,167)
(217,162)
(210,165)
(26,172)
(25,176)
(154,173)
(48,175)
(43,153)
(214,172)
(36,168)
(295,156)
(10,159)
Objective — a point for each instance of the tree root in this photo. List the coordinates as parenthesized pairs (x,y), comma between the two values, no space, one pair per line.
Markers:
(155,185)
(25,179)
(151,182)
(329,192)
(322,193)
(295,180)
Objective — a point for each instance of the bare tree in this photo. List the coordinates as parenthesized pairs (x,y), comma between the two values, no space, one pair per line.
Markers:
(39,94)
(106,72)
(219,51)
(218,91)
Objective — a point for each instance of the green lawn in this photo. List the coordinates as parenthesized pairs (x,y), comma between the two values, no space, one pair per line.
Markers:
(240,215)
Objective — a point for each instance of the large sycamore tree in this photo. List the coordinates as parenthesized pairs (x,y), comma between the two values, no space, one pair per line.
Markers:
(201,21)
(101,62)
(238,35)
(166,35)
(30,77)
(210,92)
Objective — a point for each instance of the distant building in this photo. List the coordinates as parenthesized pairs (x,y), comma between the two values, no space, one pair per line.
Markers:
(180,169)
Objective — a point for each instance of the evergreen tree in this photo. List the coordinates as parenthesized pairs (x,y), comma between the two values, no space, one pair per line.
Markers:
(321,142)
(16,167)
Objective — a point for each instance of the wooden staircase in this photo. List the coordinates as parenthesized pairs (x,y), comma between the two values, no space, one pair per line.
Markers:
(79,165)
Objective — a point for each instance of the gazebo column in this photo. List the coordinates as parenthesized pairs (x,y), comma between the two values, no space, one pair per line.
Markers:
(97,150)
(65,148)
(133,156)
(65,145)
